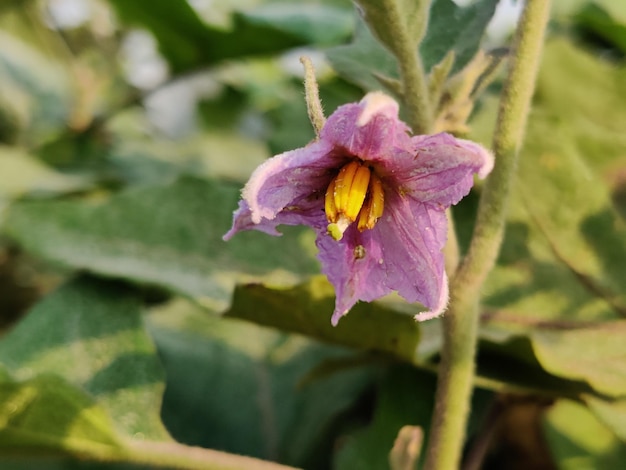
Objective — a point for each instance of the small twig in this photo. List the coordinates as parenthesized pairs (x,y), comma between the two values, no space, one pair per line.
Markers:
(311,90)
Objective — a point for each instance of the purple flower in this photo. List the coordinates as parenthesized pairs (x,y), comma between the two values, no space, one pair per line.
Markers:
(376,197)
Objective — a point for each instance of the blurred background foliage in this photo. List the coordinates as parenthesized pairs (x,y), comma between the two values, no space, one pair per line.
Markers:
(126,132)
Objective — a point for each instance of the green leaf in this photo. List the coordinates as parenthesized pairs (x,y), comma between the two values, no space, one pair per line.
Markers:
(254,394)
(569,203)
(450,28)
(598,21)
(578,440)
(47,423)
(455,28)
(188,43)
(307,309)
(290,120)
(34,88)
(610,412)
(50,415)
(561,269)
(509,363)
(170,236)
(21,174)
(596,355)
(91,333)
(532,294)
(563,253)
(508,359)
(359,61)
(532,288)
(585,98)
(566,9)
(405,397)
(580,224)
(153,161)
(79,151)
(317,23)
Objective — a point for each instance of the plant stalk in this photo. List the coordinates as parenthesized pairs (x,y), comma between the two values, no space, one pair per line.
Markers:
(313,102)
(175,455)
(457,368)
(412,75)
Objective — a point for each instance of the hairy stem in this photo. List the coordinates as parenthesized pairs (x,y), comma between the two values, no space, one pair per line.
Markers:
(412,75)
(456,371)
(313,102)
(175,455)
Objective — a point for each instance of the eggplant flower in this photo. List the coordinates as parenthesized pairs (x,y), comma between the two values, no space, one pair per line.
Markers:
(376,197)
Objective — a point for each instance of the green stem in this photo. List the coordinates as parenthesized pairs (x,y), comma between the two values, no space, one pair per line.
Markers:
(456,371)
(313,102)
(175,455)
(413,78)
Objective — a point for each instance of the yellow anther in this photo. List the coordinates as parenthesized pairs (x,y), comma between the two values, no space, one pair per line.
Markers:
(373,208)
(351,188)
(329,203)
(356,193)
(343,183)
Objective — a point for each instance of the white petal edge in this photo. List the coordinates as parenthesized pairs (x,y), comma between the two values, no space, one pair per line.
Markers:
(253,186)
(487,157)
(376,102)
(442,304)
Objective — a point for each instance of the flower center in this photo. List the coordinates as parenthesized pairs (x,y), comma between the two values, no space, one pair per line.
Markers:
(354,195)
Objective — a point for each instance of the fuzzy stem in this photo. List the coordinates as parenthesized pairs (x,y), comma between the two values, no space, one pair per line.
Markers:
(456,371)
(313,102)
(175,455)
(414,83)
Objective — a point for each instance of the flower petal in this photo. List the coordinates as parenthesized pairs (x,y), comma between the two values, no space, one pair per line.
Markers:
(289,179)
(352,267)
(442,168)
(441,305)
(308,211)
(401,253)
(414,235)
(370,129)
(242,220)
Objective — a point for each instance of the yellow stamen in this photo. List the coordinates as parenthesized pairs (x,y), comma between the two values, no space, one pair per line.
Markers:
(351,188)
(329,203)
(373,208)
(356,193)
(343,183)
